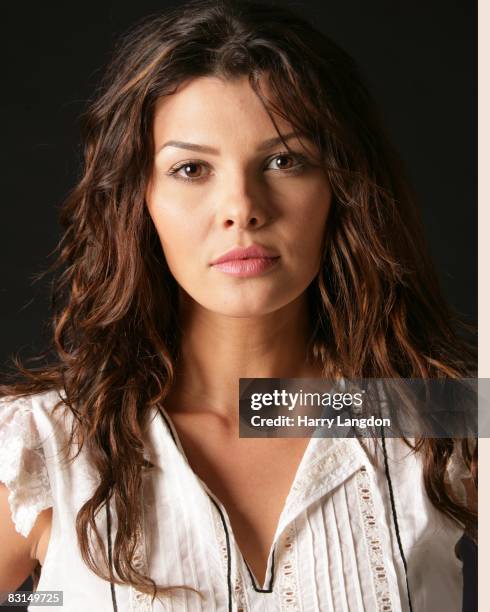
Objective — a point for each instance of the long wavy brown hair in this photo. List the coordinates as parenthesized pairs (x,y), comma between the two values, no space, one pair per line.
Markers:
(376,307)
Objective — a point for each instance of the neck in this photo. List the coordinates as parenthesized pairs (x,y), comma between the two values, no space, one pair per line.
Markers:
(218,350)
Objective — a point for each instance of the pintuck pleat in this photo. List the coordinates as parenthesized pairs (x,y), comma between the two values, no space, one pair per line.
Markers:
(335,548)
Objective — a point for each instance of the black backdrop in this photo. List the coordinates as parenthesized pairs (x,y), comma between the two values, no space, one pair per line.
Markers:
(419,59)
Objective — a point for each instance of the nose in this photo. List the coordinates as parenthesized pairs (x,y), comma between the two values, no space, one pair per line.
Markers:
(241,206)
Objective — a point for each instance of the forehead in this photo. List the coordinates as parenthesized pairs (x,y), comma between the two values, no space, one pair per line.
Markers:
(213,110)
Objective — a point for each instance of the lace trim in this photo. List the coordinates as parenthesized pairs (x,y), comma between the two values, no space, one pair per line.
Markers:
(140,602)
(376,558)
(22,466)
(220,537)
(239,594)
(287,573)
(307,483)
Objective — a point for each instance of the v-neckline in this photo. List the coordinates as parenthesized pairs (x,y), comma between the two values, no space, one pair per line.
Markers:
(268,577)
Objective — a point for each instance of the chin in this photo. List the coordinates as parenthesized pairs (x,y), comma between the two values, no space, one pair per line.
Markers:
(241,307)
(242,313)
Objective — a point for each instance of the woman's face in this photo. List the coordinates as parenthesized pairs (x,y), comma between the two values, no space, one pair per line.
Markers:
(222,180)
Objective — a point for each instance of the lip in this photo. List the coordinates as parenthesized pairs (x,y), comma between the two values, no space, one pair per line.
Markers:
(254,251)
(246,262)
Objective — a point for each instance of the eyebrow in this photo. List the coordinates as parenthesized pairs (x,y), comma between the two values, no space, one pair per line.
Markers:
(191,146)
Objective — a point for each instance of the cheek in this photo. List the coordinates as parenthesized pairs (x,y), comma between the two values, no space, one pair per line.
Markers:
(169,210)
(311,209)
(178,231)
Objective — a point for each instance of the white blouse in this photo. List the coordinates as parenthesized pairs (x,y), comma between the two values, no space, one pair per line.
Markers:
(335,547)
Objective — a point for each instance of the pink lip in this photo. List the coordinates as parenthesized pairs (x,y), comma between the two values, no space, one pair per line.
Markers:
(247,267)
(254,251)
(245,262)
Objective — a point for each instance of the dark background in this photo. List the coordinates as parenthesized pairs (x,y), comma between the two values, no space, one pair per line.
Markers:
(418,58)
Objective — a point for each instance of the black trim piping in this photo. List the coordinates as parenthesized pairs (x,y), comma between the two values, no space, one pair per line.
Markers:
(228,551)
(227,535)
(395,518)
(223,521)
(255,587)
(228,548)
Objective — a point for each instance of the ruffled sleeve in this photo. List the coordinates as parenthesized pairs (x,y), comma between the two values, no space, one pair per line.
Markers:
(458,475)
(22,463)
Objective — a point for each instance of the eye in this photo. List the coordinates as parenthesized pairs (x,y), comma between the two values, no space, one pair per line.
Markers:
(287,162)
(197,170)
(189,171)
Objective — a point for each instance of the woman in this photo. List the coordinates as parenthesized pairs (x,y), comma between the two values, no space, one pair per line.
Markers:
(240,215)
